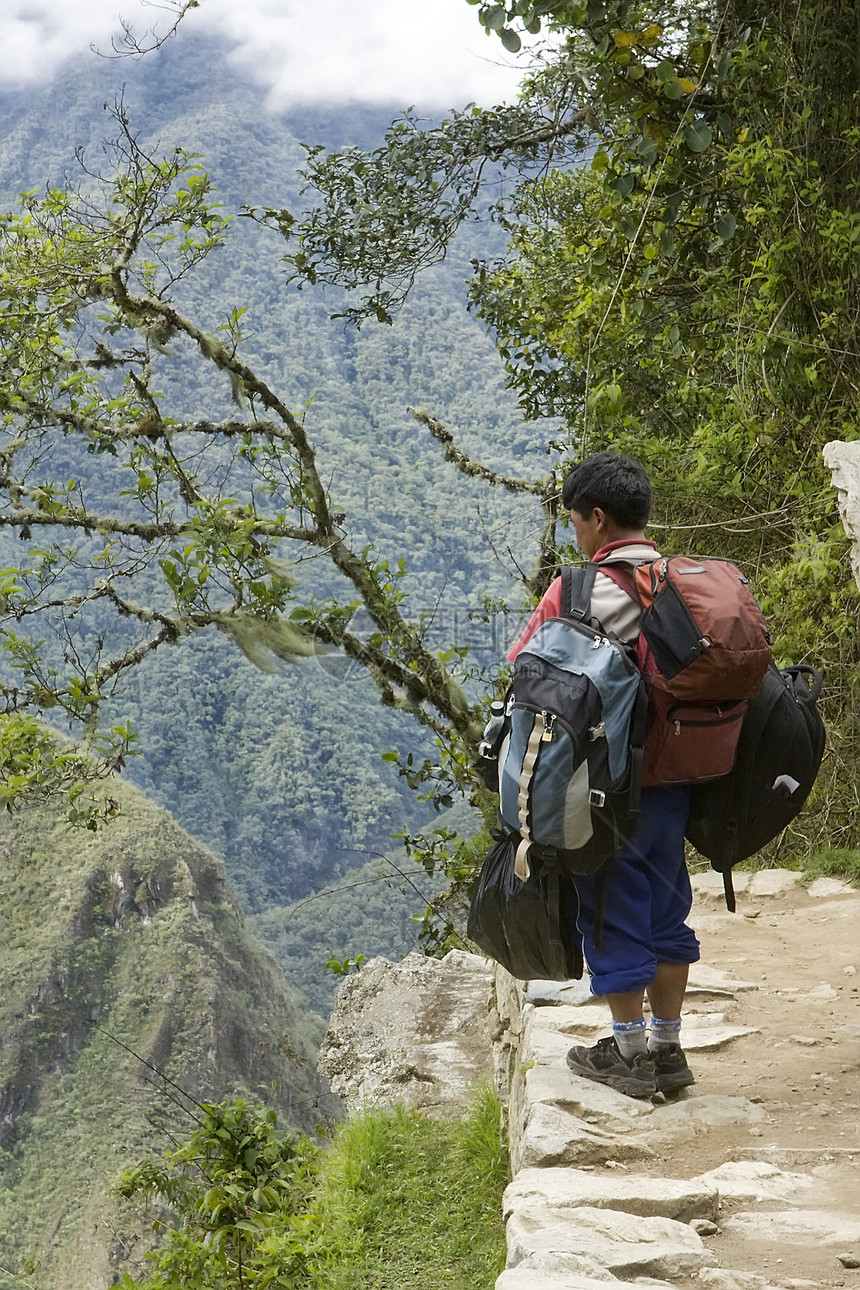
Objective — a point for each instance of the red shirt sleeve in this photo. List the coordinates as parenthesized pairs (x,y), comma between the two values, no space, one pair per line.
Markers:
(549,607)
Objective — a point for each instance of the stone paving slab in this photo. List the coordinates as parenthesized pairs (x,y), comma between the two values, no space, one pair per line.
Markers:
(533,1279)
(729,1279)
(647,1197)
(763,885)
(702,1111)
(825,888)
(558,1086)
(754,1180)
(796,1227)
(703,1037)
(554,1136)
(550,1032)
(569,1272)
(559,1270)
(565,1019)
(555,992)
(625,1244)
(705,978)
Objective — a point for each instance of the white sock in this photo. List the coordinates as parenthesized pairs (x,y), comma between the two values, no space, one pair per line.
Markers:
(631,1037)
(663,1033)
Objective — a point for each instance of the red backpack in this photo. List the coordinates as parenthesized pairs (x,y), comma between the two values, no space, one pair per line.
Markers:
(704,628)
(703,649)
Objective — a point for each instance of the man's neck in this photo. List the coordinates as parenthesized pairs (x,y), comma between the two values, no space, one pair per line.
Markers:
(630,539)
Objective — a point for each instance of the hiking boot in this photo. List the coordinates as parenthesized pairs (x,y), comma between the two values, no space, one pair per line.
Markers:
(604,1063)
(672,1069)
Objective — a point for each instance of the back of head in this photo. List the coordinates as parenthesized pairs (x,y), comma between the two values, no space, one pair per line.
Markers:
(617,484)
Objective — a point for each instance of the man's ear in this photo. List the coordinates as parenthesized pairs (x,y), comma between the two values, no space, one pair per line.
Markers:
(600,516)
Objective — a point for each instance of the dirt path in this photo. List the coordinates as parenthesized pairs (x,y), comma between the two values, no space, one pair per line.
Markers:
(801,1067)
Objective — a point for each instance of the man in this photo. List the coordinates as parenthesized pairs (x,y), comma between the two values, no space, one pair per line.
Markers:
(639,943)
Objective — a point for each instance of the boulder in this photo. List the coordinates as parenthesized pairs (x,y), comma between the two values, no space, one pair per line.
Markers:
(843,462)
(419,1032)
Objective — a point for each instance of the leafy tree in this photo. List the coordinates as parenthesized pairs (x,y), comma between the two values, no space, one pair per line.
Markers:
(684,293)
(234,1187)
(191,522)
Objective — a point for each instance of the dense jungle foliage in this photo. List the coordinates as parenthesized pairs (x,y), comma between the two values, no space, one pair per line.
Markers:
(686,294)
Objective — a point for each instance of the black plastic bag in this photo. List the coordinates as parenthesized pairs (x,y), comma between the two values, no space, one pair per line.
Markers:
(529,927)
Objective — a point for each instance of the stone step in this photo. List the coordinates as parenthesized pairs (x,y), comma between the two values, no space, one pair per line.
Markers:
(625,1244)
(637,1194)
(556,1274)
(557,1086)
(554,1136)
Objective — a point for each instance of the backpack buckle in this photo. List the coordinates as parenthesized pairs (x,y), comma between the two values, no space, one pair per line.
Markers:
(596,797)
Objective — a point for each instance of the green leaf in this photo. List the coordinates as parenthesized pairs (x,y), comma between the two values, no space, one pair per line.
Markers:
(494,19)
(673,90)
(727,227)
(698,136)
(666,71)
(511,41)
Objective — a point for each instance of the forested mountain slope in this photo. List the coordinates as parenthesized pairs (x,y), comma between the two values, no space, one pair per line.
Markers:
(281,774)
(129,981)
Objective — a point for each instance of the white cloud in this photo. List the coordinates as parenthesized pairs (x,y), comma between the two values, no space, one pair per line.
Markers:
(39,36)
(432,53)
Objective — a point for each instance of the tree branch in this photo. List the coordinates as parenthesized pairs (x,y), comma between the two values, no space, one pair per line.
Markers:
(468,466)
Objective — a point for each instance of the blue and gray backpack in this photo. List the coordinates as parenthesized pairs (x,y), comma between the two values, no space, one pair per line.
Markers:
(570,762)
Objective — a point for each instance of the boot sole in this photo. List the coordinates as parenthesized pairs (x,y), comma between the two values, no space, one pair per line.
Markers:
(668,1083)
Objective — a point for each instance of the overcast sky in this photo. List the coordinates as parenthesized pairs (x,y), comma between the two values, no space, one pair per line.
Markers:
(432,53)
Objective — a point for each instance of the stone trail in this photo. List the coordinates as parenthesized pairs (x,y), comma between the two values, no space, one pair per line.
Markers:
(606,1187)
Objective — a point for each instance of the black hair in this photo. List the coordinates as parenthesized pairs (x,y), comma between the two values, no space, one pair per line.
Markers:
(617,484)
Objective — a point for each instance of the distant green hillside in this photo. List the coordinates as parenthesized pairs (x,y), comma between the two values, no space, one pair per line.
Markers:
(124,959)
(281,774)
(371,910)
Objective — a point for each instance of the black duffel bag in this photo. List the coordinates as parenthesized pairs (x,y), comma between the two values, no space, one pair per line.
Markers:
(529,927)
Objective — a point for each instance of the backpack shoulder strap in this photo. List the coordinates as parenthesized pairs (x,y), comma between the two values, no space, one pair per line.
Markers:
(622,576)
(576,588)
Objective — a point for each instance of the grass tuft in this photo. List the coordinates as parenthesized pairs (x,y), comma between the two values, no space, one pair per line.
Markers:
(834,862)
(406,1202)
